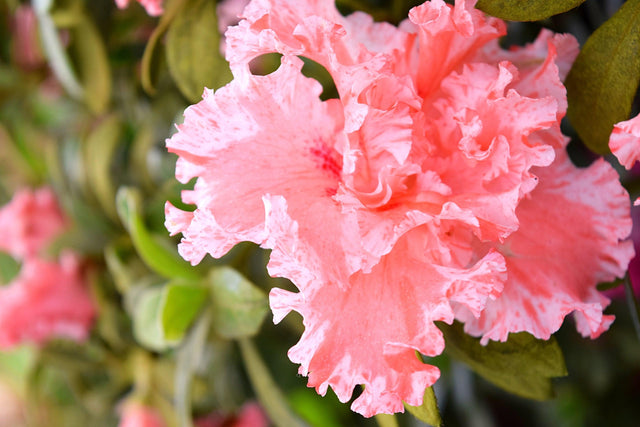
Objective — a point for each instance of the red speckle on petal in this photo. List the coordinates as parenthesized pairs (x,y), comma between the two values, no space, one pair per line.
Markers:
(326,159)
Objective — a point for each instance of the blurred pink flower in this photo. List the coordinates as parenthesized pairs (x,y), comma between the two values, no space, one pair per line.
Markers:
(137,415)
(46,300)
(153,7)
(408,200)
(25,45)
(29,222)
(228,12)
(250,415)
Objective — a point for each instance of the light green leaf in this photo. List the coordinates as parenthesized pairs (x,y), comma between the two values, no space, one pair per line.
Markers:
(239,306)
(522,365)
(386,420)
(156,252)
(182,302)
(192,50)
(603,81)
(99,148)
(9,268)
(428,412)
(147,327)
(150,60)
(530,10)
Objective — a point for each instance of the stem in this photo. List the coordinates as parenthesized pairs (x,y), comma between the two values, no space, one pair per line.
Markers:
(268,393)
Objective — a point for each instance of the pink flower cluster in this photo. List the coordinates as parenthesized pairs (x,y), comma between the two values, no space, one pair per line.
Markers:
(437,187)
(47,298)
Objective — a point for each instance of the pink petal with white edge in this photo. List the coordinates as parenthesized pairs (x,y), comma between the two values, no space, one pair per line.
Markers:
(368,334)
(570,239)
(625,141)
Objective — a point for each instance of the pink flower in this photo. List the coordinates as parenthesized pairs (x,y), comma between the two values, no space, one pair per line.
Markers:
(228,12)
(46,300)
(408,200)
(138,415)
(250,415)
(625,141)
(30,222)
(153,7)
(25,45)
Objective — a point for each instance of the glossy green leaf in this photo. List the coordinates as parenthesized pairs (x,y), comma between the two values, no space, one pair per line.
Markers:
(522,365)
(9,268)
(427,412)
(192,50)
(239,307)
(99,148)
(530,10)
(150,62)
(156,252)
(603,81)
(182,302)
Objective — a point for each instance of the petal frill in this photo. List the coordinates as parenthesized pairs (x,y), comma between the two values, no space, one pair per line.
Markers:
(480,122)
(448,36)
(368,334)
(625,141)
(570,239)
(262,135)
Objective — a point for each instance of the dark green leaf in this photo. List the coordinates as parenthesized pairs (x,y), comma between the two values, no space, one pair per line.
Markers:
(156,252)
(182,302)
(428,412)
(530,10)
(99,148)
(266,390)
(604,79)
(522,365)
(192,50)
(92,64)
(150,63)
(239,306)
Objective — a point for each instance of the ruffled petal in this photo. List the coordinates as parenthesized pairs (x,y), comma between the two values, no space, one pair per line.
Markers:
(570,239)
(369,333)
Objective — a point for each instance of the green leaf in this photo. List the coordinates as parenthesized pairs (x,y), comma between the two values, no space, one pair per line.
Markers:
(9,268)
(147,327)
(427,412)
(386,420)
(182,302)
(92,64)
(239,306)
(530,10)
(603,81)
(157,253)
(150,62)
(99,148)
(192,50)
(522,365)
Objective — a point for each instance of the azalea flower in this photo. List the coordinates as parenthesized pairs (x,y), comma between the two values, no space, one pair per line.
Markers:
(29,222)
(153,7)
(436,187)
(46,300)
